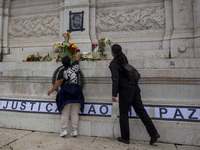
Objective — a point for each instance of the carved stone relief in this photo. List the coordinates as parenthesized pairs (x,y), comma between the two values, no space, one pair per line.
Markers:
(37,26)
(130,19)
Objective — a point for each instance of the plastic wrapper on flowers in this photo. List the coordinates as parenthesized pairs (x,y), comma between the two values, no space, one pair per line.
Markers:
(86,56)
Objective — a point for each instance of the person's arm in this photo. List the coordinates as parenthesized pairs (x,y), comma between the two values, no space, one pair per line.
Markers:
(115,81)
(56,85)
(78,58)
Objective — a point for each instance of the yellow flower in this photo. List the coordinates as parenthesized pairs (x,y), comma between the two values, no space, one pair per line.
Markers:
(74,46)
(32,56)
(57,46)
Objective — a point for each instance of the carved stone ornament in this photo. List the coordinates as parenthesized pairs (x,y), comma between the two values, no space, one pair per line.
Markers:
(130,19)
(37,26)
(181,48)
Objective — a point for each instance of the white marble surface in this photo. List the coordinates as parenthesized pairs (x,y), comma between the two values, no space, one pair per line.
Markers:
(171,83)
(139,26)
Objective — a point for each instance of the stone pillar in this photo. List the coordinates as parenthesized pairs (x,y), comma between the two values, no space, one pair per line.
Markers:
(168,25)
(61,18)
(5,27)
(81,38)
(1,29)
(93,21)
(196,8)
(182,43)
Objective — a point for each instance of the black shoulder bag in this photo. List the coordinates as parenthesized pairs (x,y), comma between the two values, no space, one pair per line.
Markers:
(132,73)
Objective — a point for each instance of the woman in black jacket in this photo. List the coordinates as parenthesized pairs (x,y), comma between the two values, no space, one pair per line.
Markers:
(129,95)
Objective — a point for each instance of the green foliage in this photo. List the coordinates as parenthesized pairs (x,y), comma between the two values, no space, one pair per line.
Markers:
(102,44)
(37,57)
(65,50)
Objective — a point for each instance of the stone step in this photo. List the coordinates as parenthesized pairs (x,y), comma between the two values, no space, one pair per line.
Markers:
(148,54)
(166,63)
(105,73)
(150,63)
(189,63)
(18,57)
(18,54)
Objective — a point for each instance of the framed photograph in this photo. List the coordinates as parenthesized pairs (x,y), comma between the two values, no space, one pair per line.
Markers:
(76,21)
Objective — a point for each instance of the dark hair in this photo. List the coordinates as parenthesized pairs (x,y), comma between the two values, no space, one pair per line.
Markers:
(66,61)
(118,54)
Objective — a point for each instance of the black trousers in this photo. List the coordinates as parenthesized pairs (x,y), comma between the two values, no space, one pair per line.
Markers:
(129,95)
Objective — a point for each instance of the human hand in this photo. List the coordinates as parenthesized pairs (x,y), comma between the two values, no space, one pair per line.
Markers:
(114,99)
(80,54)
(49,92)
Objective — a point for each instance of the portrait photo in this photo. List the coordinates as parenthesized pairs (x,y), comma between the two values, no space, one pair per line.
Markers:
(76,21)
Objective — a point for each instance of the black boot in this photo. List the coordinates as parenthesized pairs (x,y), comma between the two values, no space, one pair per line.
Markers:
(154,139)
(123,141)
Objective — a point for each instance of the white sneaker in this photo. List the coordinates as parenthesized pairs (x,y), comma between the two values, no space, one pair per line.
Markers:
(63,133)
(74,133)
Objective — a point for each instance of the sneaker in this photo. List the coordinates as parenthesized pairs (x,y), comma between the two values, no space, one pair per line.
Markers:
(63,133)
(154,139)
(74,133)
(123,141)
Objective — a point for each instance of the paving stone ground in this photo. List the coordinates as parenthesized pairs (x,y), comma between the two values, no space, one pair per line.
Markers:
(11,139)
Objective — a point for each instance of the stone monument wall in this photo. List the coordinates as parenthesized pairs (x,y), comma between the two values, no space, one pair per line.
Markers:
(145,29)
(160,38)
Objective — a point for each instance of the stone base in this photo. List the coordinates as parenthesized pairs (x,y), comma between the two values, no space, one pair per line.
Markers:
(170,131)
(169,83)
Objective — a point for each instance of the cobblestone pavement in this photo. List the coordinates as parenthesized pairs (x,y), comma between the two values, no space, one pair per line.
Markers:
(11,139)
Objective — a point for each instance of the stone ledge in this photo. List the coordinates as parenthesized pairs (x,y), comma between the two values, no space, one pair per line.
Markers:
(142,63)
(125,3)
(106,99)
(16,5)
(105,73)
(104,80)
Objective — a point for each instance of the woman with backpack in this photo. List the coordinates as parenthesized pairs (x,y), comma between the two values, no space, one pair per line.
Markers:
(129,95)
(70,98)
